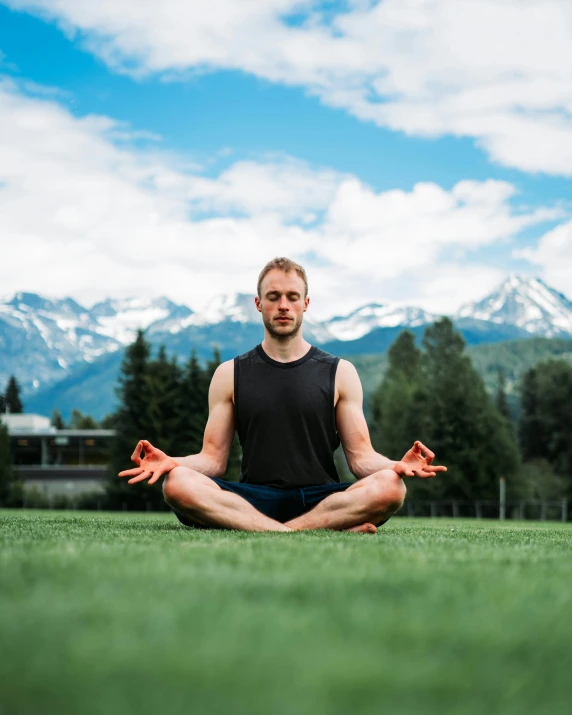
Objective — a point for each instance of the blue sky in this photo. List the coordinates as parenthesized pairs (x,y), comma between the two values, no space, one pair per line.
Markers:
(399,165)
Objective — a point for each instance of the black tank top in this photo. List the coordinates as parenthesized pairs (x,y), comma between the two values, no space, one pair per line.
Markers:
(285,418)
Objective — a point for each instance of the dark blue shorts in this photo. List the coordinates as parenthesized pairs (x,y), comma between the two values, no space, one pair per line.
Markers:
(279,504)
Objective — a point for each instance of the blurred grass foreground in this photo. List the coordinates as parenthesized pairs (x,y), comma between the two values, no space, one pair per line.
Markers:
(132,613)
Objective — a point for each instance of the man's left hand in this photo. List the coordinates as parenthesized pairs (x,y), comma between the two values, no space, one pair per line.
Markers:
(418,462)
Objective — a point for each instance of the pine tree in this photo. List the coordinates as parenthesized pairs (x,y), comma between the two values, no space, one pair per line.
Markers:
(163,389)
(79,421)
(2,404)
(12,399)
(193,405)
(467,432)
(546,416)
(131,425)
(213,363)
(397,405)
(57,420)
(501,398)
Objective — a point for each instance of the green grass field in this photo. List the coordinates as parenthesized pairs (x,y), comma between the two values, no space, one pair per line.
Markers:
(103,613)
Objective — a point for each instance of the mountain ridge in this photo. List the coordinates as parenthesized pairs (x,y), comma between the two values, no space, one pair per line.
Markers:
(42,340)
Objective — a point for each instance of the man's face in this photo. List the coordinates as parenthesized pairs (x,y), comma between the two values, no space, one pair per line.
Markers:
(283,303)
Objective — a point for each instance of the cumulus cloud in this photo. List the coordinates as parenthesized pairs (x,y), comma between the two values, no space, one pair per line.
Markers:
(499,71)
(553,256)
(84,215)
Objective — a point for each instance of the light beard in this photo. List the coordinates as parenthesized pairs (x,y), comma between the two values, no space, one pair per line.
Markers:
(283,337)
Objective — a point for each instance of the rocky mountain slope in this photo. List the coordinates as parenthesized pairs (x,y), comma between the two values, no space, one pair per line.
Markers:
(44,342)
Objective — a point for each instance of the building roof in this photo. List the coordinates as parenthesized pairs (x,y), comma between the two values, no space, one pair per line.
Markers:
(27,422)
(30,425)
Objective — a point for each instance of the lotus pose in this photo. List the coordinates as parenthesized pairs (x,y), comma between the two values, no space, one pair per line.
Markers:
(291,405)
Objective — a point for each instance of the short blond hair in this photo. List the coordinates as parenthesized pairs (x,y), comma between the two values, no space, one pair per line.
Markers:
(282,264)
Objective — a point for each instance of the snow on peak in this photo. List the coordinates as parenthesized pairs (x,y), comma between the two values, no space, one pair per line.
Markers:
(363,320)
(526,302)
(233,307)
(120,318)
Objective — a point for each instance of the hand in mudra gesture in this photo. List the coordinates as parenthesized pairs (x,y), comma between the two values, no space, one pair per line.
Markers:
(152,465)
(418,462)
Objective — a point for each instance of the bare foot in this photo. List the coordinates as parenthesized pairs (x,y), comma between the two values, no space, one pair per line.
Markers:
(363,529)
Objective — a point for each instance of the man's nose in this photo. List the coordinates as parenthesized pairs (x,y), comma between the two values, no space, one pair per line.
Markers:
(283,303)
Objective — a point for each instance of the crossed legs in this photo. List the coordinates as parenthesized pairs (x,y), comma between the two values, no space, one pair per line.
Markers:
(371,500)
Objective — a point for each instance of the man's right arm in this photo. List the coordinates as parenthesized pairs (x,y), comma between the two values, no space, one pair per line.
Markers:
(213,457)
(219,431)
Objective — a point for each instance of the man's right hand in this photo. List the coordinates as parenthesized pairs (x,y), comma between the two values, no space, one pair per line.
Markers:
(152,465)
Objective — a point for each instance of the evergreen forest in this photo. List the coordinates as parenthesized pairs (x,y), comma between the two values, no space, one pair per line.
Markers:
(430,392)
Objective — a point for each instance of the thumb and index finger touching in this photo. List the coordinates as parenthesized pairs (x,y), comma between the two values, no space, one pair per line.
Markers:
(423,451)
(142,446)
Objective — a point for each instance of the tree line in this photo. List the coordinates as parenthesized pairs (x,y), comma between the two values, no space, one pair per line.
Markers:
(165,403)
(434,394)
(430,392)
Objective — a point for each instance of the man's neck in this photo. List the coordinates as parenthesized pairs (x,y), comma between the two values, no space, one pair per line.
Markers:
(285,351)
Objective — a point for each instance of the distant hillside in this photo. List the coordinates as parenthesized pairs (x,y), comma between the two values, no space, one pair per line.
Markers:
(90,387)
(514,357)
(378,340)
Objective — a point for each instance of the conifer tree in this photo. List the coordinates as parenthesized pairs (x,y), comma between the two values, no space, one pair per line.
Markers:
(397,405)
(131,424)
(57,420)
(467,432)
(546,416)
(213,363)
(80,421)
(2,404)
(501,400)
(194,405)
(12,399)
(163,389)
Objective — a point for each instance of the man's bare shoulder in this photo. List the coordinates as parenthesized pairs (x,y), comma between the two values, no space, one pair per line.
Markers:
(222,383)
(348,383)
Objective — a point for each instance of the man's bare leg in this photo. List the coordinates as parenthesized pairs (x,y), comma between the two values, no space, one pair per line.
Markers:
(368,501)
(202,500)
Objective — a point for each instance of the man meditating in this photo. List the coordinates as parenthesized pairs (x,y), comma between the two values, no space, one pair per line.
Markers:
(291,404)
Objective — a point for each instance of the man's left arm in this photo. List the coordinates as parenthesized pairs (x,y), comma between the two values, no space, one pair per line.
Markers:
(352,428)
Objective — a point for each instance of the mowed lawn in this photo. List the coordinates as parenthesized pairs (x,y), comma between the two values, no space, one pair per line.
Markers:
(104,613)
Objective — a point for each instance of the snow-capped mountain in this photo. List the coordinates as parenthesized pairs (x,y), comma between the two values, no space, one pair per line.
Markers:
(62,326)
(232,307)
(527,303)
(121,318)
(240,308)
(362,321)
(42,340)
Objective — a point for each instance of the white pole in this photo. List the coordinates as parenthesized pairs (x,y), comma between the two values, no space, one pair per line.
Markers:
(502,499)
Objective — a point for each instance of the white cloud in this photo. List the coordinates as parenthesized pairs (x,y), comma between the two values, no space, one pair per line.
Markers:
(81,215)
(499,71)
(553,256)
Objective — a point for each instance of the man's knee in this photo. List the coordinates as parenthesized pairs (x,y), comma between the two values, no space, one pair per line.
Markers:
(386,492)
(177,487)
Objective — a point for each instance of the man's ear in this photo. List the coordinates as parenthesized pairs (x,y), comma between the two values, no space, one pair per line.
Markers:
(306,303)
(257,303)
